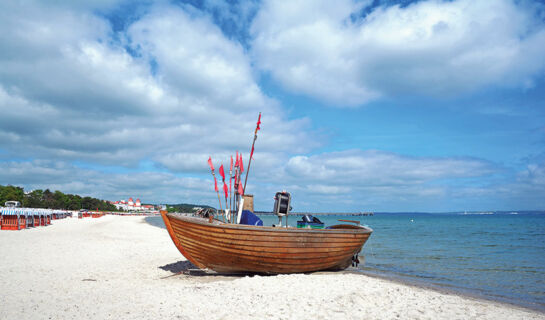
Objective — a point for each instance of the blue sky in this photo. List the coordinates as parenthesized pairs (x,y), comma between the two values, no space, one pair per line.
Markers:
(367,105)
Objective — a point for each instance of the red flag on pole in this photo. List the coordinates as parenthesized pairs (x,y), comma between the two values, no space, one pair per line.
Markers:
(241,165)
(231,169)
(252,153)
(258,123)
(210,163)
(236,163)
(225,190)
(215,184)
(222,173)
(240,189)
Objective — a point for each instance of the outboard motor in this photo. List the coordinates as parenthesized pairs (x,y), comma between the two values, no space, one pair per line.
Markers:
(310,222)
(282,206)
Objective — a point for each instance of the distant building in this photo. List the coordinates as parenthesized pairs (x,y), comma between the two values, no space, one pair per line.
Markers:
(130,205)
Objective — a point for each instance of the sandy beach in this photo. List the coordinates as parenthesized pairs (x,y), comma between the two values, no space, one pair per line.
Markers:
(123,268)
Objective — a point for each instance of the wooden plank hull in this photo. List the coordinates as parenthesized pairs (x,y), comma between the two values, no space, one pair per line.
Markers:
(229,248)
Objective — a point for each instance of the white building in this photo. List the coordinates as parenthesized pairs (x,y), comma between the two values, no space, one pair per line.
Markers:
(131,205)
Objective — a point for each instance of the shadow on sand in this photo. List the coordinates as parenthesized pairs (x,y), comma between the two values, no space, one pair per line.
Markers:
(179,267)
(188,268)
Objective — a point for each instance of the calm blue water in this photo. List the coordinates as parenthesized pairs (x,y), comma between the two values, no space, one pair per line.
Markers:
(499,256)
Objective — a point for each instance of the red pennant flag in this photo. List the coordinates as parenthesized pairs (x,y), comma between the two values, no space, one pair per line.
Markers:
(215,184)
(236,163)
(225,190)
(222,173)
(258,123)
(240,190)
(252,153)
(231,169)
(241,165)
(235,181)
(210,163)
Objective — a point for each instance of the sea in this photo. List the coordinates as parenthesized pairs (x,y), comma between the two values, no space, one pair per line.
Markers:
(498,256)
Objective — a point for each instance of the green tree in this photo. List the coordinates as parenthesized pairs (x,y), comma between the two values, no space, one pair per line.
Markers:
(60,200)
(48,199)
(74,202)
(86,203)
(53,200)
(34,199)
(11,193)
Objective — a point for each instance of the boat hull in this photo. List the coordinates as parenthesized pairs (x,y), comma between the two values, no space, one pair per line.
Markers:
(229,248)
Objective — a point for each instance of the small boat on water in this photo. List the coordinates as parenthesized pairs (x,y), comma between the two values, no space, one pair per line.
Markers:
(241,244)
(239,248)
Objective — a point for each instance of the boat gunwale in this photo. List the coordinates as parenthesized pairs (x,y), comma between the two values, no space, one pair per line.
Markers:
(265,241)
(265,235)
(242,227)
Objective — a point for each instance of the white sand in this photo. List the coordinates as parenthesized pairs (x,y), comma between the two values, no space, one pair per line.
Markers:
(122,268)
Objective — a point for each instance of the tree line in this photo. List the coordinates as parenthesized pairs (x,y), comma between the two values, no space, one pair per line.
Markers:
(52,200)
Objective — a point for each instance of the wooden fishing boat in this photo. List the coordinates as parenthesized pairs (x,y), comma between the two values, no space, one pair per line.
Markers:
(238,248)
(246,246)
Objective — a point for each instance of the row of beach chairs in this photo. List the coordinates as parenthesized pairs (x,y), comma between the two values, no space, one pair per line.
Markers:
(22,218)
(92,214)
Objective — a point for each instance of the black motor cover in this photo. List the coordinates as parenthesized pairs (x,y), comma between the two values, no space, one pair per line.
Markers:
(282,203)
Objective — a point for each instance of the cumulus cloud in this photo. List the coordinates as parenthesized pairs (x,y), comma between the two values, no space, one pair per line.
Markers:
(525,192)
(137,109)
(371,178)
(68,178)
(379,180)
(327,51)
(329,181)
(376,168)
(534,174)
(171,88)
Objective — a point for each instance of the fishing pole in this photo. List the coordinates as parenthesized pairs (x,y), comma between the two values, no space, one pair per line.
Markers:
(252,152)
(230,185)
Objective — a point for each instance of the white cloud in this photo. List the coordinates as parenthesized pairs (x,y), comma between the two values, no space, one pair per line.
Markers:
(172,89)
(533,175)
(354,180)
(377,168)
(429,48)
(371,179)
(329,181)
(69,90)
(193,55)
(327,189)
(57,175)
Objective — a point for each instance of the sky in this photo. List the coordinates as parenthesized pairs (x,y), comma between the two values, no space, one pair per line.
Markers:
(433,106)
